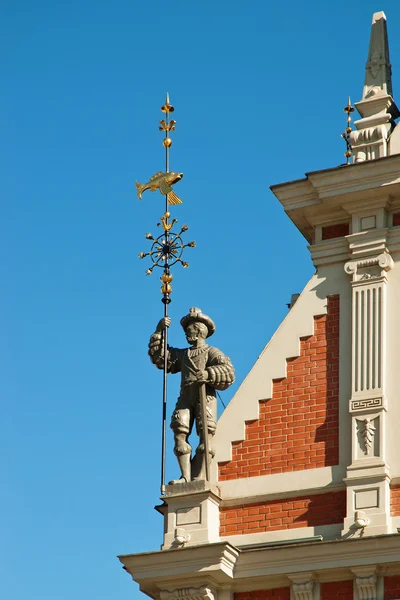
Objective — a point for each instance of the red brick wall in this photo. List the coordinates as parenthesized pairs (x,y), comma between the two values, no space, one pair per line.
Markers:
(275,594)
(395,500)
(334,231)
(396,219)
(337,590)
(291,513)
(392,588)
(298,427)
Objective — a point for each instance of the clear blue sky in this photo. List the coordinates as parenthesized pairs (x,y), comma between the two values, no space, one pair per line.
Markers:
(259,89)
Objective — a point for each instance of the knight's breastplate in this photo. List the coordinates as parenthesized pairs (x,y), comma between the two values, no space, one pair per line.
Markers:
(195,359)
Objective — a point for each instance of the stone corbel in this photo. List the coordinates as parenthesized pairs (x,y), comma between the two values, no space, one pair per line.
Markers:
(384,262)
(303,587)
(366,583)
(201,593)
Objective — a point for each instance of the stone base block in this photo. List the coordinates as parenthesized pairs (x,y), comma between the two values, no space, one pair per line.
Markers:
(191,513)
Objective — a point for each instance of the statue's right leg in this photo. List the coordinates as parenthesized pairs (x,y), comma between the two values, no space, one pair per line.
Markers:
(181,425)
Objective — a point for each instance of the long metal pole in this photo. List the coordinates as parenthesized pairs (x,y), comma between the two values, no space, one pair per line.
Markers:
(203,408)
(166,300)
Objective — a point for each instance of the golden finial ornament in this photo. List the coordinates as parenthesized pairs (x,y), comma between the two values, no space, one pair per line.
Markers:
(346,134)
(167,108)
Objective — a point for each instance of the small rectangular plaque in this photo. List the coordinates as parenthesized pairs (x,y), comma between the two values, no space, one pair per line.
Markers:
(188,516)
(367,498)
(368,223)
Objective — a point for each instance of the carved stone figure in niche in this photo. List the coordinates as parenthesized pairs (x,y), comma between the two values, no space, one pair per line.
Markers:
(200,364)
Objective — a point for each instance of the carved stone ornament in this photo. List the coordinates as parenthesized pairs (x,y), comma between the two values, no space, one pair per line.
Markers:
(303,591)
(370,135)
(366,431)
(375,62)
(200,593)
(366,582)
(367,276)
(366,587)
(384,261)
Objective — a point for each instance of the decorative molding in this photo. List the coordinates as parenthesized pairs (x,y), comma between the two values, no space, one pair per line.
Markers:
(189,593)
(366,404)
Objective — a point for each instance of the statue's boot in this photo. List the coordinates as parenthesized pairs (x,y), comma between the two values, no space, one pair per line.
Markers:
(199,463)
(184,463)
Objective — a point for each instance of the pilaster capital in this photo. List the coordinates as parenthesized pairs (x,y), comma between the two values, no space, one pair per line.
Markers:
(383,262)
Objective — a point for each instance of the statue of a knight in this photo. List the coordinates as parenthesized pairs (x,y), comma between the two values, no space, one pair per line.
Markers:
(200,364)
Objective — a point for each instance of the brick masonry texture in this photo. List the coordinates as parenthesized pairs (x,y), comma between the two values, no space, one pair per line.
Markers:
(396,219)
(330,232)
(275,594)
(290,513)
(298,427)
(337,590)
(395,501)
(392,588)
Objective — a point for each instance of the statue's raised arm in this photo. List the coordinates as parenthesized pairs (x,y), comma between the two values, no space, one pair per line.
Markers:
(156,349)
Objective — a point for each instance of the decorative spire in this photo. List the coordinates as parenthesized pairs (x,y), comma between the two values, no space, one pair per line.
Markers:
(377,107)
(378,70)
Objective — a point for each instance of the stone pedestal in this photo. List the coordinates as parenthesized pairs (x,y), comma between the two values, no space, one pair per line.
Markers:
(191,514)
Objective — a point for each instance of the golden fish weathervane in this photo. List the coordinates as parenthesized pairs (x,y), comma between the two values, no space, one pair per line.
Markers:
(163,182)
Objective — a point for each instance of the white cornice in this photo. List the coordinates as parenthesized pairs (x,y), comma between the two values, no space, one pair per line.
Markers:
(339,192)
(188,567)
(325,557)
(219,565)
(329,252)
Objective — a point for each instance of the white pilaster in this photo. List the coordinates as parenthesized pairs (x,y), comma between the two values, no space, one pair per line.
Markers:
(367,481)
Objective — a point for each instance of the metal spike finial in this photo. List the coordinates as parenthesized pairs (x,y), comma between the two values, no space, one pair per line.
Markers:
(346,134)
(167,107)
(166,249)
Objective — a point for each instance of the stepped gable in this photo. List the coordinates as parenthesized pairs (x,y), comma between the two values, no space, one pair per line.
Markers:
(298,428)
